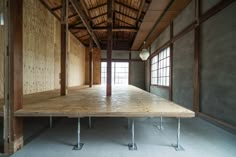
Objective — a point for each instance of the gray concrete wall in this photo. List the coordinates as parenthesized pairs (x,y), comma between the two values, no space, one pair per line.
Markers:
(185,18)
(147,75)
(161,40)
(183,62)
(137,74)
(160,91)
(218,64)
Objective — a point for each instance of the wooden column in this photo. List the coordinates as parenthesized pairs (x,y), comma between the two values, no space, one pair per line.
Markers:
(196,57)
(91,63)
(14,101)
(130,66)
(109,45)
(171,63)
(64,47)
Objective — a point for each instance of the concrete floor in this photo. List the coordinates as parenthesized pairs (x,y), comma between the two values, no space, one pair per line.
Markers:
(109,137)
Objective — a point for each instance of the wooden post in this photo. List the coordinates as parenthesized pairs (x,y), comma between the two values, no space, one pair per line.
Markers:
(13,139)
(64,47)
(171,63)
(109,45)
(196,57)
(130,58)
(91,63)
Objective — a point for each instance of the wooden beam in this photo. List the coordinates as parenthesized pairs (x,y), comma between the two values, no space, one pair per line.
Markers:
(64,47)
(127,6)
(72,15)
(140,12)
(46,6)
(214,10)
(116,29)
(98,16)
(91,63)
(126,15)
(98,6)
(109,45)
(124,22)
(196,58)
(14,139)
(78,8)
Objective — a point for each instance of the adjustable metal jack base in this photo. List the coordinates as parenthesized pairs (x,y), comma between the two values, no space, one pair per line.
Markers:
(132,146)
(177,146)
(78,146)
(180,148)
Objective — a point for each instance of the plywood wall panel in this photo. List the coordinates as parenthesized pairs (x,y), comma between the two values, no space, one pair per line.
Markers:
(96,66)
(38,48)
(76,64)
(57,52)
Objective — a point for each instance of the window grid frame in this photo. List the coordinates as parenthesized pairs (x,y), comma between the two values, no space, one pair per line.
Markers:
(166,67)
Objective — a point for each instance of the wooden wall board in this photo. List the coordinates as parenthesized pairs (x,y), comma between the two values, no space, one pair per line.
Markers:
(96,66)
(126,101)
(76,62)
(41,51)
(57,53)
(38,47)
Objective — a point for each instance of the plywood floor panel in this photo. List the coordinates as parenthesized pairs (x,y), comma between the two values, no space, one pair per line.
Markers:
(126,101)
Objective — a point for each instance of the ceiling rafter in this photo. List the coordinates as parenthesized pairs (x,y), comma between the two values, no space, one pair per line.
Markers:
(140,11)
(98,6)
(79,9)
(133,18)
(124,22)
(127,6)
(100,15)
(115,29)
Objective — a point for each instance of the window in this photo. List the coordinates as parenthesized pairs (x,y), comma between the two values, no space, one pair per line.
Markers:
(120,72)
(103,72)
(160,68)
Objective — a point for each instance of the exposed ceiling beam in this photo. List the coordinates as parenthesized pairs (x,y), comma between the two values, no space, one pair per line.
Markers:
(100,23)
(115,29)
(78,8)
(124,22)
(75,24)
(98,16)
(98,6)
(140,11)
(127,6)
(58,7)
(72,15)
(133,18)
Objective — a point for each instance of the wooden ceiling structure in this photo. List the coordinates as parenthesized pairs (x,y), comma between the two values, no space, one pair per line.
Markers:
(133,20)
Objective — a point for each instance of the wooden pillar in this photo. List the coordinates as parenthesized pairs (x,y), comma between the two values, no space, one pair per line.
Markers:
(13,139)
(64,47)
(196,57)
(171,63)
(91,63)
(130,66)
(109,45)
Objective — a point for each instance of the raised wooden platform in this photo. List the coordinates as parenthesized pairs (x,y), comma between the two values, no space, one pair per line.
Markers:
(126,101)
